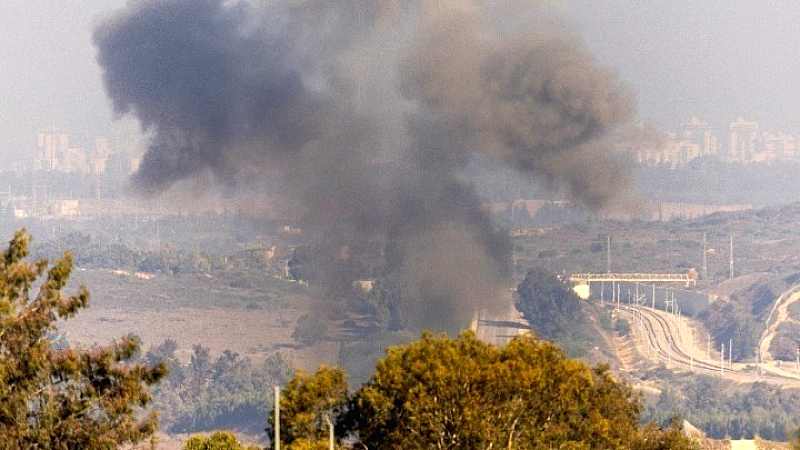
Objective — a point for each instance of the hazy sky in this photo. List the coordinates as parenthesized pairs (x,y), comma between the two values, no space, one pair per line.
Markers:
(714,59)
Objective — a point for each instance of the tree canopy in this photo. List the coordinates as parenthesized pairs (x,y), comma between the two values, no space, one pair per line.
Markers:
(309,405)
(219,440)
(464,393)
(548,304)
(64,398)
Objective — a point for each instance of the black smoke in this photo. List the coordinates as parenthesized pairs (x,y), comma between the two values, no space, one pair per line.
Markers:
(371,111)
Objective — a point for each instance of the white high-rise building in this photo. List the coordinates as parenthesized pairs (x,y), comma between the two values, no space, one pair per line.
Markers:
(743,140)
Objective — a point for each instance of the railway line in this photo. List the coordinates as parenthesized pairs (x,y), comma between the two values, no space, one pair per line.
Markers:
(662,341)
(660,337)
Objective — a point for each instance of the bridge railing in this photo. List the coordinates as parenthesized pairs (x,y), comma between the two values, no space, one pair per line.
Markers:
(687,278)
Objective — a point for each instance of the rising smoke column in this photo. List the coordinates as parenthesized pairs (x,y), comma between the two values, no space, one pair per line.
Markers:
(318,92)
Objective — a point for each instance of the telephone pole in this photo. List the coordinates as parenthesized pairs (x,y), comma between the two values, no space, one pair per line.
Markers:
(730,261)
(730,354)
(758,358)
(705,257)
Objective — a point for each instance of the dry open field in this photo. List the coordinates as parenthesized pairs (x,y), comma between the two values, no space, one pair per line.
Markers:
(194,310)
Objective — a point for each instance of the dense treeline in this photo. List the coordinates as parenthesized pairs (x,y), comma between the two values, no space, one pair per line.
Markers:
(721,411)
(555,312)
(90,254)
(228,392)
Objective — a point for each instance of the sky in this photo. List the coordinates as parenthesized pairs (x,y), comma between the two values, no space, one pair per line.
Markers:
(715,59)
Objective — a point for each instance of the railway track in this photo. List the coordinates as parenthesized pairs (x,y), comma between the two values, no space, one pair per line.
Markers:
(661,340)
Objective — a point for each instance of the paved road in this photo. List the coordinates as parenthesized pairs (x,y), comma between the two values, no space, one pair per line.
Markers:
(499,327)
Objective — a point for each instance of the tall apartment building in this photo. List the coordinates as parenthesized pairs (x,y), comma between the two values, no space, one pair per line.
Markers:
(779,145)
(698,133)
(743,140)
(55,153)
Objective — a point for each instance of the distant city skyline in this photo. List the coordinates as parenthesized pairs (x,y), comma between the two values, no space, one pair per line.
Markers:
(682,59)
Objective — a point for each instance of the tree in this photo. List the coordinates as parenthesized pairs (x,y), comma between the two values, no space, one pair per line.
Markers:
(309,405)
(219,440)
(309,330)
(549,304)
(651,437)
(66,398)
(464,393)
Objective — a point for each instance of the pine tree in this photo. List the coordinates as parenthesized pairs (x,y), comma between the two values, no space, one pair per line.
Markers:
(62,399)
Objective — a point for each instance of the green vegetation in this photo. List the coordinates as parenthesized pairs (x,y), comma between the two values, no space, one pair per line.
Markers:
(219,440)
(88,399)
(228,392)
(548,304)
(309,330)
(463,393)
(722,410)
(310,405)
(555,312)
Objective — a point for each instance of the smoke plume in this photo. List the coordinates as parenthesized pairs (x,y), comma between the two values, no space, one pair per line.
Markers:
(370,110)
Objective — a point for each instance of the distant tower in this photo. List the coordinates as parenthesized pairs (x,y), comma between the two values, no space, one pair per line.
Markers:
(608,254)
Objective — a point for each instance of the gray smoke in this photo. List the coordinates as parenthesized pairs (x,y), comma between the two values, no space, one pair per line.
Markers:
(322,93)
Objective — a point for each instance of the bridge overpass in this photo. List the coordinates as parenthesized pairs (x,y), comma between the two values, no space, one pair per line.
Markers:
(689,278)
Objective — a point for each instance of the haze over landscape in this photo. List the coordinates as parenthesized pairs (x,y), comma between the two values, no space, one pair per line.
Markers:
(682,58)
(261,186)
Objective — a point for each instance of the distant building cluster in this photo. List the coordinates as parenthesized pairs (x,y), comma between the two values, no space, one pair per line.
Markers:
(745,143)
(56,153)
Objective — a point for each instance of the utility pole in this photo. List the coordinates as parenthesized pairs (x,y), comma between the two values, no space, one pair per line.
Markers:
(722,361)
(602,291)
(673,302)
(758,367)
(691,350)
(669,351)
(705,257)
(277,430)
(654,296)
(730,261)
(608,253)
(730,354)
